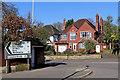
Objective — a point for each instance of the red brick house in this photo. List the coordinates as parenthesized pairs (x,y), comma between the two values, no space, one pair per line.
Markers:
(74,34)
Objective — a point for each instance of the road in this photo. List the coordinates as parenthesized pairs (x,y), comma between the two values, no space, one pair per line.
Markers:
(107,67)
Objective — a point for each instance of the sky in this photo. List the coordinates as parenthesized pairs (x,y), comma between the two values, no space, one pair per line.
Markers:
(52,12)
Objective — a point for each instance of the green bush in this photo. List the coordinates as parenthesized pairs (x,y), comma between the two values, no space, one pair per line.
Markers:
(78,53)
(67,52)
(49,50)
(4,70)
(58,53)
(21,67)
(49,53)
(89,45)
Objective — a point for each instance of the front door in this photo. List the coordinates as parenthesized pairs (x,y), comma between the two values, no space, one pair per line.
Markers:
(74,46)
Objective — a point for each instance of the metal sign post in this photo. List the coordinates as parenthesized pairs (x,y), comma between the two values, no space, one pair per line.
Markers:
(6,66)
(28,64)
(14,50)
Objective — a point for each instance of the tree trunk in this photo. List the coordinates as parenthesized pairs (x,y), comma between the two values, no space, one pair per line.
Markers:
(110,45)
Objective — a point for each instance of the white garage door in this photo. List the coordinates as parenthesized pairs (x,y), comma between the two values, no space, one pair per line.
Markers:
(62,48)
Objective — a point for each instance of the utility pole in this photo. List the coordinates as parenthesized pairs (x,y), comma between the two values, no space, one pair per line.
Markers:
(32,13)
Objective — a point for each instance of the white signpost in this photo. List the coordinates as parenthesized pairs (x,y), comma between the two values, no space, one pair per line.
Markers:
(21,49)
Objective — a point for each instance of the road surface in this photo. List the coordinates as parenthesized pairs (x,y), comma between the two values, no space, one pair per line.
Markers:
(107,67)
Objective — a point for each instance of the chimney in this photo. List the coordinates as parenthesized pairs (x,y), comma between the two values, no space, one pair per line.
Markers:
(97,22)
(64,24)
(101,24)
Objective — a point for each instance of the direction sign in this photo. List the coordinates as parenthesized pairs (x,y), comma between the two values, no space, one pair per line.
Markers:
(21,49)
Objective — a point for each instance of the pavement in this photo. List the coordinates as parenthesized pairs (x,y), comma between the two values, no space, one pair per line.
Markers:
(107,67)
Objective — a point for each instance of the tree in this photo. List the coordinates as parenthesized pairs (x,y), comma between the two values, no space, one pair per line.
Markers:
(89,45)
(13,24)
(109,29)
(15,28)
(69,22)
(43,35)
(29,20)
(91,20)
(118,28)
(39,24)
(7,9)
(0,35)
(58,26)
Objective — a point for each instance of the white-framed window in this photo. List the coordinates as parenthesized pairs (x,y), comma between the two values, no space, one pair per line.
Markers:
(70,45)
(55,37)
(85,34)
(72,36)
(64,35)
(81,46)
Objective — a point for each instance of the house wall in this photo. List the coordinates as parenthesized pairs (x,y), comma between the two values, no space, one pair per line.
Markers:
(84,27)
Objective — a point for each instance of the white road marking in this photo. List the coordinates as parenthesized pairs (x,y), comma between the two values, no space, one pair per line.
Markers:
(106,62)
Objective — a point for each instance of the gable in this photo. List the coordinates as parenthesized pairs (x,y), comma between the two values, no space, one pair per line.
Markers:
(86,27)
(78,24)
(72,29)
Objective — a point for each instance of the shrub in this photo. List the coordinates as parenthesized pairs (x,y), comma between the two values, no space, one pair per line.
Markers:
(21,67)
(49,53)
(49,50)
(89,45)
(58,53)
(67,52)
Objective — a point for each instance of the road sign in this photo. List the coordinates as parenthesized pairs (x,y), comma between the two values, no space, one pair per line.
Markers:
(20,49)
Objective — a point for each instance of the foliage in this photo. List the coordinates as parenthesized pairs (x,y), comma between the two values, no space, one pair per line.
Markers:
(118,36)
(13,24)
(8,8)
(48,47)
(15,27)
(38,25)
(109,29)
(21,67)
(49,53)
(43,35)
(29,20)
(49,50)
(89,45)
(82,51)
(67,52)
(58,26)
(69,22)
(15,31)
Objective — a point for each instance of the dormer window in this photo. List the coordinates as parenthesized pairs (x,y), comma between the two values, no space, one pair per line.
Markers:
(64,36)
(84,34)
